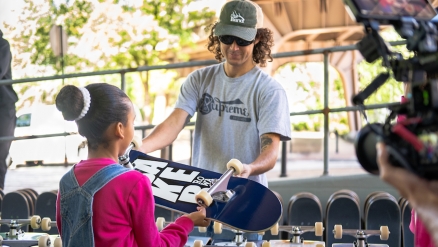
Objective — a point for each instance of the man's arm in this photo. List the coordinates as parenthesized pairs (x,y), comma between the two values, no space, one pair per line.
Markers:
(269,144)
(166,132)
(5,57)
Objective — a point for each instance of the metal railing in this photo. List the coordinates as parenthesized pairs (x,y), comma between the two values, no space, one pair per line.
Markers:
(325,111)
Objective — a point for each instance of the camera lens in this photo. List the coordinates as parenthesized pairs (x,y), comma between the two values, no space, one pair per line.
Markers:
(365,145)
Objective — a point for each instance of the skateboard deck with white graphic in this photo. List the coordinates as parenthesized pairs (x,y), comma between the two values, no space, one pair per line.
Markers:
(245,205)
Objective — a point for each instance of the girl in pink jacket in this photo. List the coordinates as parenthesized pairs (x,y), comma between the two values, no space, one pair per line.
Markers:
(99,202)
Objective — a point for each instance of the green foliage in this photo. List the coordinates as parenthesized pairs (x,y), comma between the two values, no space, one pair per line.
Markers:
(300,126)
(108,34)
(171,16)
(306,92)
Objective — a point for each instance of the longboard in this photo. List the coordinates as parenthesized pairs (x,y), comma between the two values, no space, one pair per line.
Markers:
(251,207)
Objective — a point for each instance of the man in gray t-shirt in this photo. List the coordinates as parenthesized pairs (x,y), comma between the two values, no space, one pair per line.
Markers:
(241,112)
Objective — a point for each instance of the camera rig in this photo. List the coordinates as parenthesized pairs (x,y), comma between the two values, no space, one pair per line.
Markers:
(412,142)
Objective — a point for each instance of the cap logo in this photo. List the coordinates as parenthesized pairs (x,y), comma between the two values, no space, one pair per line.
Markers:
(236,17)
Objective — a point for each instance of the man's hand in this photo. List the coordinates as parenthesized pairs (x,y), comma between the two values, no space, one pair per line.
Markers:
(246,172)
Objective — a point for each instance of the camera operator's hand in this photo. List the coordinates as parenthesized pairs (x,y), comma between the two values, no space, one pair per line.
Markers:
(421,194)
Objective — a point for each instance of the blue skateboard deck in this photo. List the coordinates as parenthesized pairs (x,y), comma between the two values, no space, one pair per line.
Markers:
(304,210)
(15,205)
(407,235)
(281,235)
(46,207)
(343,209)
(382,209)
(252,208)
(32,196)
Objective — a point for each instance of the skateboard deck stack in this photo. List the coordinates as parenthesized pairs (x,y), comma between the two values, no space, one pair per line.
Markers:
(382,209)
(343,208)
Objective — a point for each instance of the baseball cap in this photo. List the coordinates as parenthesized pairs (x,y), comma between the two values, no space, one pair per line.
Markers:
(240,18)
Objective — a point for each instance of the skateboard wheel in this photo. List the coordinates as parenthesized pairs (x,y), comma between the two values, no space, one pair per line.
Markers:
(217,227)
(203,196)
(274,229)
(266,244)
(160,223)
(236,165)
(44,241)
(318,229)
(35,222)
(384,233)
(261,233)
(250,244)
(338,231)
(58,242)
(137,141)
(45,224)
(198,243)
(320,245)
(1,240)
(202,229)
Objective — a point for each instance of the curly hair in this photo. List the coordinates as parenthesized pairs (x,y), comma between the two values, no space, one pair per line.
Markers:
(261,52)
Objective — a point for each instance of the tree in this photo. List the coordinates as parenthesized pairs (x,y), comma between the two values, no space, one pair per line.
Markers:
(306,92)
(109,34)
(31,44)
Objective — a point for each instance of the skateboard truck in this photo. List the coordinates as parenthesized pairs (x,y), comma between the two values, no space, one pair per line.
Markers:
(15,224)
(124,159)
(218,190)
(239,239)
(362,235)
(296,235)
(35,222)
(297,231)
(14,230)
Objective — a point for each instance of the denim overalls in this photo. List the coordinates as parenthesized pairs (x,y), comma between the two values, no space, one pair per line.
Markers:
(77,204)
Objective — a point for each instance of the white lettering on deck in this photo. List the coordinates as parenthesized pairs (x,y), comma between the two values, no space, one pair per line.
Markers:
(178,175)
(166,191)
(188,194)
(156,171)
(150,168)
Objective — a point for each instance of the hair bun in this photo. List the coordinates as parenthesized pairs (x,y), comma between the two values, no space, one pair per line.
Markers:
(70,102)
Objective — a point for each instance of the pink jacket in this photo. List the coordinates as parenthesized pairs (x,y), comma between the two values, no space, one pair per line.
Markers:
(421,235)
(123,211)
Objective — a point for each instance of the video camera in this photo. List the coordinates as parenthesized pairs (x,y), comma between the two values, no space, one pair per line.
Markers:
(412,143)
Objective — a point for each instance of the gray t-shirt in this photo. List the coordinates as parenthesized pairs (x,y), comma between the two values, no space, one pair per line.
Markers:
(232,114)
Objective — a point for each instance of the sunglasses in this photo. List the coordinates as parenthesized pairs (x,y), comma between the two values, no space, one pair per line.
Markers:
(228,40)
